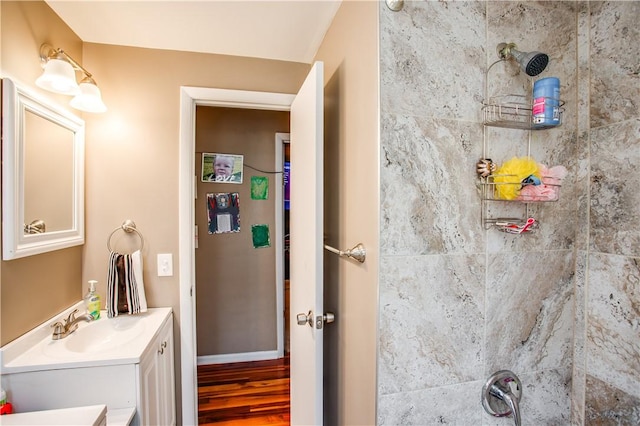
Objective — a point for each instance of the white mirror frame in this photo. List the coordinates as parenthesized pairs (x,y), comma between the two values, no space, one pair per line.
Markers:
(15,243)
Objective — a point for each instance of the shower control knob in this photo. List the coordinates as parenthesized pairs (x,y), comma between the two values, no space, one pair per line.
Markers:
(501,395)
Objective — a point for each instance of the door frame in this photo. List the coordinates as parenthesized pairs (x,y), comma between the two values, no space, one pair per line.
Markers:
(190,97)
(280,137)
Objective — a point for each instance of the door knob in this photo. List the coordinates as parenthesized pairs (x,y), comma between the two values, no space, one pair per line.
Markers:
(327,318)
(305,319)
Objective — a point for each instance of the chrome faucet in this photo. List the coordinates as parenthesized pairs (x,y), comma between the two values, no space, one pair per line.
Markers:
(63,329)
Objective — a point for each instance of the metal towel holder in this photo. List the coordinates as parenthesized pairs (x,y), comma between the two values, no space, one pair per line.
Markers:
(127,226)
(357,253)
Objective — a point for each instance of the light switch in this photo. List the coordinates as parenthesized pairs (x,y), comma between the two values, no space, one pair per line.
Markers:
(165,264)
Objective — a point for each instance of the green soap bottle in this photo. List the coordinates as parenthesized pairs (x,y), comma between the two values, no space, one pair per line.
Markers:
(92,300)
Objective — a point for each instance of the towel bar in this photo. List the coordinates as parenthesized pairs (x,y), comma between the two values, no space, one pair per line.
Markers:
(127,226)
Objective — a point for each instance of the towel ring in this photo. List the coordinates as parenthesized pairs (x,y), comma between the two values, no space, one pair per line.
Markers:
(127,226)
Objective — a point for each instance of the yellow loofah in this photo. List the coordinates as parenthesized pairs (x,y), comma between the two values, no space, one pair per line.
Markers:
(510,174)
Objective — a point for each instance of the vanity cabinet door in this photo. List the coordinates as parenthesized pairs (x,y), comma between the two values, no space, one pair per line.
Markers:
(157,405)
(149,398)
(166,377)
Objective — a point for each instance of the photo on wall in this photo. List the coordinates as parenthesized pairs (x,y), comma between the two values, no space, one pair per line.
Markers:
(223,212)
(222,168)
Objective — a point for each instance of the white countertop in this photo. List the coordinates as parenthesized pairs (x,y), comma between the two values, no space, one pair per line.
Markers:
(36,351)
(92,415)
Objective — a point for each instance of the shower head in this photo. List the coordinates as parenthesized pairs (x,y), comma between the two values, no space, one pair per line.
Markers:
(532,63)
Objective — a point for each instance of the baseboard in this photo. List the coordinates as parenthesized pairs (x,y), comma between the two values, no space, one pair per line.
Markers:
(239,357)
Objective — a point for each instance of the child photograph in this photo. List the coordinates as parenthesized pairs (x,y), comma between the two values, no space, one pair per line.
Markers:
(223,168)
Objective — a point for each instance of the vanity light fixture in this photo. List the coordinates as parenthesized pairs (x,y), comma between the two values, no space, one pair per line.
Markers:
(89,99)
(59,76)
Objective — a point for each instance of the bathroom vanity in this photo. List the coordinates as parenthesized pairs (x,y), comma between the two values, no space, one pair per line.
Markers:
(123,362)
(95,415)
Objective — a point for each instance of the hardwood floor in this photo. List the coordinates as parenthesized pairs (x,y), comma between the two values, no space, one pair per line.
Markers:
(244,393)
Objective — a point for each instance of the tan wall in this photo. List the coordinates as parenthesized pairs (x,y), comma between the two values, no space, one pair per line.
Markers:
(132,150)
(35,288)
(132,173)
(350,54)
(131,158)
(235,283)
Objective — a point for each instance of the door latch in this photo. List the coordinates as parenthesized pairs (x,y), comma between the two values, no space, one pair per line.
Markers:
(327,318)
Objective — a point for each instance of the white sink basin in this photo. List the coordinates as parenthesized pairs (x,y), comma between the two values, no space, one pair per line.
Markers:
(106,341)
(104,334)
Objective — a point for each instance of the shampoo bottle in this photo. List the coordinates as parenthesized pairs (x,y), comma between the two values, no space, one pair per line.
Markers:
(92,300)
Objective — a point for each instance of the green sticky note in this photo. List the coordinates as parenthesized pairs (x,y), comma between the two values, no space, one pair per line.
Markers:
(259,187)
(260,234)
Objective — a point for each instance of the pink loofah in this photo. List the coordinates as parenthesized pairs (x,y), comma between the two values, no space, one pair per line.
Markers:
(550,187)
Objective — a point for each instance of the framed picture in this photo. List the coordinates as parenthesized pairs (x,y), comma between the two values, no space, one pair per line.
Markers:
(222,168)
(223,211)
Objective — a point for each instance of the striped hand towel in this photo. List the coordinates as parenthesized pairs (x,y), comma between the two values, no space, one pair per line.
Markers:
(125,286)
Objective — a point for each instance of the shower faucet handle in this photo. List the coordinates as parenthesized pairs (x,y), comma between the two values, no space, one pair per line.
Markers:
(501,395)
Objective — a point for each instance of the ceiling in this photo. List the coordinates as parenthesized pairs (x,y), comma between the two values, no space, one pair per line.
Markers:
(288,30)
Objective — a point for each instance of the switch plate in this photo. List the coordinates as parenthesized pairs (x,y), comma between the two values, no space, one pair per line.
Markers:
(165,264)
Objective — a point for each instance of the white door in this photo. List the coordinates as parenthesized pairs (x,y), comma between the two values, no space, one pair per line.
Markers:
(306,228)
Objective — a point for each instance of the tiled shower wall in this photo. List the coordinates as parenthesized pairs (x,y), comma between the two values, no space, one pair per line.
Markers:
(458,303)
(607,355)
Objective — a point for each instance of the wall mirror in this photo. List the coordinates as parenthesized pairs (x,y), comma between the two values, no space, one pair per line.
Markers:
(42,174)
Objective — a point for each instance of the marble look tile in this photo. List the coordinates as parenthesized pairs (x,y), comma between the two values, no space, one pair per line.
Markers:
(579,340)
(614,53)
(578,392)
(431,321)
(429,202)
(545,399)
(583,76)
(613,346)
(432,59)
(582,149)
(580,322)
(456,405)
(548,27)
(529,316)
(557,220)
(582,182)
(615,177)
(606,405)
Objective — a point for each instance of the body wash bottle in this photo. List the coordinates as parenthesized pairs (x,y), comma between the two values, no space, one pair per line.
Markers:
(92,300)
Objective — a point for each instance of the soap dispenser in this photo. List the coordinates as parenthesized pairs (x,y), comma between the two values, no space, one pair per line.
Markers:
(92,300)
